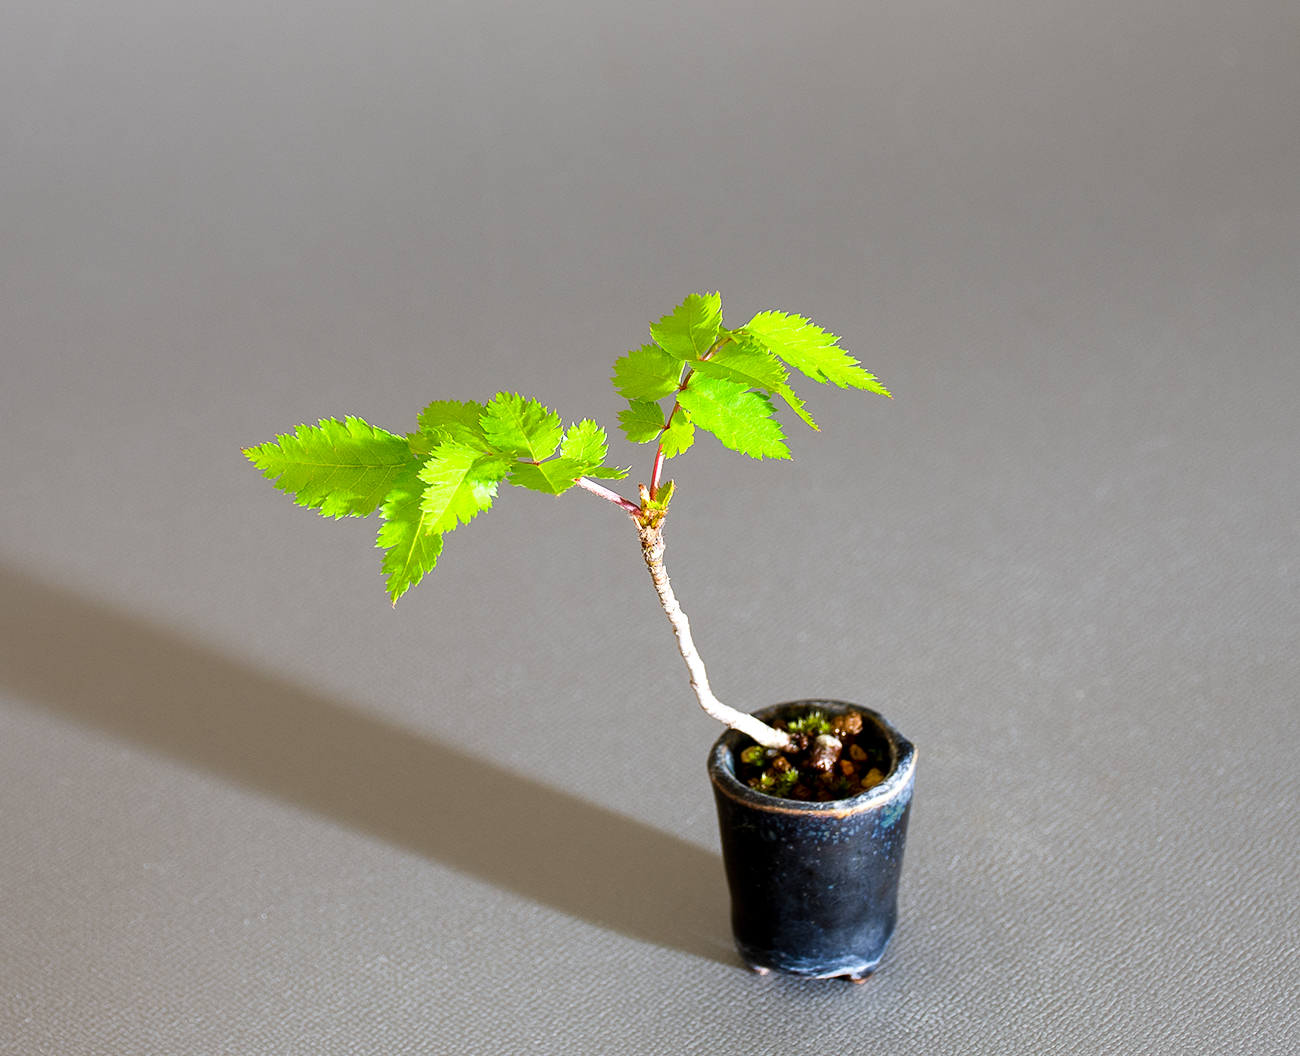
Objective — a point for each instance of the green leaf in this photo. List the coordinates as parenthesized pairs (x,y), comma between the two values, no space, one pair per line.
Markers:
(662,499)
(587,444)
(812,350)
(746,361)
(422,444)
(340,468)
(751,364)
(412,548)
(458,420)
(739,418)
(642,421)
(647,373)
(608,472)
(797,405)
(461,484)
(679,435)
(692,328)
(515,425)
(552,477)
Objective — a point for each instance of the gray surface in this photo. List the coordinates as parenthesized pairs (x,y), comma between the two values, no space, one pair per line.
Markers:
(248,807)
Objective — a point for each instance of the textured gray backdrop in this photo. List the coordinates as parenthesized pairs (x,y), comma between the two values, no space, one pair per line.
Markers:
(247,807)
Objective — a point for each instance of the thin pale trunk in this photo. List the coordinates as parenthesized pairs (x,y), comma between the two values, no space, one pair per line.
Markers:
(652,548)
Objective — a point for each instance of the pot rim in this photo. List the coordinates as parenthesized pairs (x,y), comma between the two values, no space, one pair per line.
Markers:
(722,767)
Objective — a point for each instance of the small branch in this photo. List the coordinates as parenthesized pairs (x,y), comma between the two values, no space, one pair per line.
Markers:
(652,549)
(631,508)
(658,469)
(719,343)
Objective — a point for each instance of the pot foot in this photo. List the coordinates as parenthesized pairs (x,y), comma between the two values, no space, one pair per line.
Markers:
(758,970)
(859,979)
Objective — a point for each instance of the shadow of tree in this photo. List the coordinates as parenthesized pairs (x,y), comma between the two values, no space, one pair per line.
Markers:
(113,671)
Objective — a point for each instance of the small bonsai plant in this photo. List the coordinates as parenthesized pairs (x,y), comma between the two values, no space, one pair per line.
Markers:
(694,375)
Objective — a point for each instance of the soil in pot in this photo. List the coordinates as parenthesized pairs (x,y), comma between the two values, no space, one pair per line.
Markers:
(835,757)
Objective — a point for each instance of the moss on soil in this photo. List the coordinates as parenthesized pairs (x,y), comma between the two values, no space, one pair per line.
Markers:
(863,760)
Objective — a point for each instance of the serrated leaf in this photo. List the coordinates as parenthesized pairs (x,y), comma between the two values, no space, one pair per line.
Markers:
(739,418)
(746,361)
(750,363)
(679,435)
(421,444)
(458,420)
(811,350)
(663,498)
(692,327)
(608,472)
(516,425)
(411,547)
(797,405)
(339,468)
(647,373)
(587,445)
(460,484)
(642,421)
(585,442)
(551,477)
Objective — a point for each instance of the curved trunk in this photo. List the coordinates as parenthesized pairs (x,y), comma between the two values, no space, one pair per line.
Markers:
(652,549)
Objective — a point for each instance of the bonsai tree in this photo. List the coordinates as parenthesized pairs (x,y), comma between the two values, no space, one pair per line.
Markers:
(695,374)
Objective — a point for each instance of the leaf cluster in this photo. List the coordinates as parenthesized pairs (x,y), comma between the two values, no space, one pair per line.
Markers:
(430,481)
(695,374)
(698,374)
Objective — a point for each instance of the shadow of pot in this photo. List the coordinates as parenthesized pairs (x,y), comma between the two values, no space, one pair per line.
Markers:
(814,886)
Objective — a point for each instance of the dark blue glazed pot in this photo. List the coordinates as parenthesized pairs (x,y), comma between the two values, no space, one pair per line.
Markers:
(814,886)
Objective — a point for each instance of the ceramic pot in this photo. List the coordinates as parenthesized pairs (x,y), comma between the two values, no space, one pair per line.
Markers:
(814,886)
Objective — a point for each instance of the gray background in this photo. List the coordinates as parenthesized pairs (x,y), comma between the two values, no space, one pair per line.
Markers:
(246,806)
